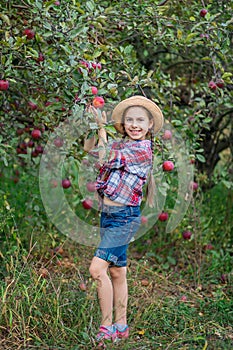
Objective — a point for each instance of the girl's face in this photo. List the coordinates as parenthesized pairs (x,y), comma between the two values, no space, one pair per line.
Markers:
(137,123)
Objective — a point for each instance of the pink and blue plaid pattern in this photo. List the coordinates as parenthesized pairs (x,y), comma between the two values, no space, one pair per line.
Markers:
(122,177)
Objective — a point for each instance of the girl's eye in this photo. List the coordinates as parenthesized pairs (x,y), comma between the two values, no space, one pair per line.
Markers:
(130,120)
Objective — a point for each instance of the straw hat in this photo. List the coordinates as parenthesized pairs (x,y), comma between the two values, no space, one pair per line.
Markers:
(139,101)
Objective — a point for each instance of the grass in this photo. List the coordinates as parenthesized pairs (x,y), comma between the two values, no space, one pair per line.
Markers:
(180,294)
(43,307)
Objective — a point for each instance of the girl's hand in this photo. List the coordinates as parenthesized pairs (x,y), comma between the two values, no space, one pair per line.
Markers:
(100,117)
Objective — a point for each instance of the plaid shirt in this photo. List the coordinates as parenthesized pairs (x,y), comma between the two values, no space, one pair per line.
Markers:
(121,178)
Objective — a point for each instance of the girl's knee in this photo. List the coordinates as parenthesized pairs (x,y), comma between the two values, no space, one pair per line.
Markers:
(118,272)
(94,271)
(98,269)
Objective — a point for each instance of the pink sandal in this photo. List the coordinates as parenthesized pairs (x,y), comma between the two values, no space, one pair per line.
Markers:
(124,333)
(105,335)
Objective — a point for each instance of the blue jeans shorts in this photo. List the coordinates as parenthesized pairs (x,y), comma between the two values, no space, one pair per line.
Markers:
(118,225)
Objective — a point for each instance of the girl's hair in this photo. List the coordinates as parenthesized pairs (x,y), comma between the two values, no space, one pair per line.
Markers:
(150,188)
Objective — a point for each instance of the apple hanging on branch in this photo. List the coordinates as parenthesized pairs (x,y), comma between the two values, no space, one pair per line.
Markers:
(98,102)
(168,165)
(4,85)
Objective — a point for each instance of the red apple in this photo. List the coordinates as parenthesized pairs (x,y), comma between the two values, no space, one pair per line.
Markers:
(18,150)
(94,65)
(36,134)
(15,179)
(167,135)
(39,149)
(87,203)
(84,64)
(94,90)
(30,144)
(54,183)
(19,132)
(98,102)
(91,186)
(203,12)
(208,246)
(58,142)
(220,83)
(23,145)
(212,85)
(66,183)
(32,105)
(163,216)
(27,128)
(4,85)
(48,103)
(29,33)
(168,165)
(193,185)
(192,161)
(40,57)
(34,153)
(144,220)
(186,234)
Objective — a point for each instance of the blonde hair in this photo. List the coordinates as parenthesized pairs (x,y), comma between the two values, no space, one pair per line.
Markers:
(150,188)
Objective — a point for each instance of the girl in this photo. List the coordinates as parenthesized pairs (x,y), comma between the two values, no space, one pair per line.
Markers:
(119,184)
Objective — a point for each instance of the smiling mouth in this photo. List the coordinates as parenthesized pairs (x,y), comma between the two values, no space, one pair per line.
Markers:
(135,131)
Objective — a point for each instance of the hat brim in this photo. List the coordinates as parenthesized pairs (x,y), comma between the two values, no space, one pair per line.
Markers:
(134,101)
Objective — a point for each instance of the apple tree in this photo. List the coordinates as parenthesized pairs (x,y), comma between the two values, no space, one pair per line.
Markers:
(58,56)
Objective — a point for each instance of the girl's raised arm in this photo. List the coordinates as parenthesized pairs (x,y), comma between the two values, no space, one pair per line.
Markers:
(90,143)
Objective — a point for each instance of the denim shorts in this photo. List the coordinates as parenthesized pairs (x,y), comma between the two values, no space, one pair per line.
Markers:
(118,225)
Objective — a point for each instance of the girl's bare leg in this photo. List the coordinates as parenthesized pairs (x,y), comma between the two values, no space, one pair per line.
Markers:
(99,271)
(120,293)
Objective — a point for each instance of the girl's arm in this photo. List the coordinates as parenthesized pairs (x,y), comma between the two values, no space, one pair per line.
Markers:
(90,143)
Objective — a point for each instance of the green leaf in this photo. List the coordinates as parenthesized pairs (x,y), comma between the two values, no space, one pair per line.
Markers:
(193,19)
(201,158)
(208,120)
(228,184)
(5,18)
(90,6)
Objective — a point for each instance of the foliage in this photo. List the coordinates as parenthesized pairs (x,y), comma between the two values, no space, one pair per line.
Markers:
(170,51)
